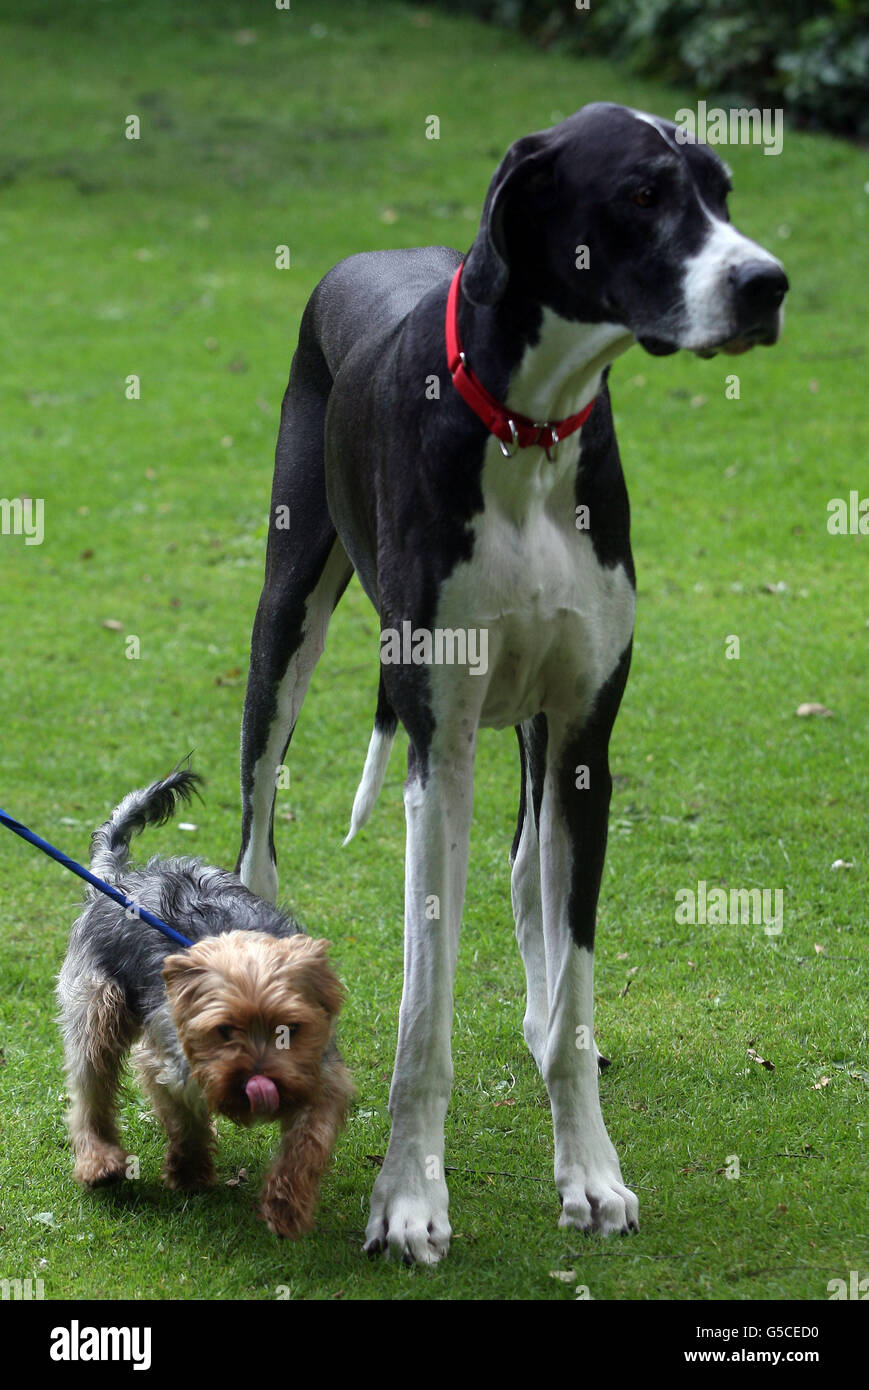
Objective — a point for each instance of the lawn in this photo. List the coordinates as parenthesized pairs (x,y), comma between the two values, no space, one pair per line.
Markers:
(155,259)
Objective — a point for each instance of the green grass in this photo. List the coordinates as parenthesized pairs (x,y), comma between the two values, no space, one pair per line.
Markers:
(156,258)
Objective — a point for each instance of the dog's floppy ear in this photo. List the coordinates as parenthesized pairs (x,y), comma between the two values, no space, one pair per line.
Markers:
(313,973)
(523,184)
(180,973)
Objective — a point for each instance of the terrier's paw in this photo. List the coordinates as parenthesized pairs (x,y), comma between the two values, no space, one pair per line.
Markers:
(285,1219)
(600,1203)
(289,1199)
(185,1172)
(412,1225)
(98,1163)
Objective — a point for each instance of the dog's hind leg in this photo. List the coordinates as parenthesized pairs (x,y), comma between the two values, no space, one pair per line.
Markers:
(525,889)
(525,884)
(97,1032)
(307,570)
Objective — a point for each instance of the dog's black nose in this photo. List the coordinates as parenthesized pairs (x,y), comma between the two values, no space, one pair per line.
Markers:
(759,288)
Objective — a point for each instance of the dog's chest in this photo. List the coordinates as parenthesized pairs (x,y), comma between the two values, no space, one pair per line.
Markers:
(552,620)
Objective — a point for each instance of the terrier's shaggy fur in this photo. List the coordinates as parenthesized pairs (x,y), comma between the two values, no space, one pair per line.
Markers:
(240,1025)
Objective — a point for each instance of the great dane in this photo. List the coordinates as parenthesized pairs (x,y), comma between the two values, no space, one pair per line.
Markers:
(447,434)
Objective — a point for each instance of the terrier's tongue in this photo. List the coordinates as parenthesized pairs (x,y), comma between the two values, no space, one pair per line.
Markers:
(263,1095)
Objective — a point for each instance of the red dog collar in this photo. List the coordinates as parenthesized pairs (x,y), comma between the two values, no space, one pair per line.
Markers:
(517,431)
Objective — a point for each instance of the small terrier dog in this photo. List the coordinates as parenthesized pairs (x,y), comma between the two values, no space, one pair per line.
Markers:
(241,1024)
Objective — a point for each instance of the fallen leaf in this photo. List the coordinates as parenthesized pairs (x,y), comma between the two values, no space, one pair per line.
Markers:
(113,624)
(819,950)
(824,1081)
(761,1061)
(842,864)
(566,1276)
(810,708)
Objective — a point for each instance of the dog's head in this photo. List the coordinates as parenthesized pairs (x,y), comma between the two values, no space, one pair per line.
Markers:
(254,1015)
(609,218)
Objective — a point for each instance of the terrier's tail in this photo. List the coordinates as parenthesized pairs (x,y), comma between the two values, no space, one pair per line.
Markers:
(154,805)
(379,749)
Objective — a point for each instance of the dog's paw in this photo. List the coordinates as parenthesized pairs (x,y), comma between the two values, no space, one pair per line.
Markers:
(413,1226)
(285,1219)
(599,1203)
(289,1197)
(185,1172)
(99,1164)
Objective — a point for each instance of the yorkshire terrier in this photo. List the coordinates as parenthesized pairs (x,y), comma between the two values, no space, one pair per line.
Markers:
(240,1025)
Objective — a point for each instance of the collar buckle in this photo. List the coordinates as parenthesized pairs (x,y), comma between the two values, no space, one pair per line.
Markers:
(553,444)
(514,440)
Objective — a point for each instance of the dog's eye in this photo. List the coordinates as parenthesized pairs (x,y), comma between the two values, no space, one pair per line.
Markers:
(225,1030)
(644,197)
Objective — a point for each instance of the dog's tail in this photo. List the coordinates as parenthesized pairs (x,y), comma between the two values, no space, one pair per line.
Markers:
(154,805)
(377,758)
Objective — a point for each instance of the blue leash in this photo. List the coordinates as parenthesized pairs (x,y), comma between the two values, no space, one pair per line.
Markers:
(92,879)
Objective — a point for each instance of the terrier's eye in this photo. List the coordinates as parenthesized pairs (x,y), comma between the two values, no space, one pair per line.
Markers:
(225,1030)
(644,198)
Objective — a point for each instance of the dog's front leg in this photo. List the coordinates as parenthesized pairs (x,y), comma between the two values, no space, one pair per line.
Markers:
(573,832)
(410,1203)
(292,1185)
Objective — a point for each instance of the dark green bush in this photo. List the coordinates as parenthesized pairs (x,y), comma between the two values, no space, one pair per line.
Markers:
(809,56)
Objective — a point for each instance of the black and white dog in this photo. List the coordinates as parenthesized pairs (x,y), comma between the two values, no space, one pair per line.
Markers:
(422,443)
